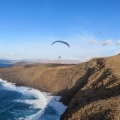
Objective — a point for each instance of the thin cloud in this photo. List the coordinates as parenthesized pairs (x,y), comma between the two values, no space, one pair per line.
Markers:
(15,54)
(93,42)
(107,42)
(12,54)
(118,42)
(117,52)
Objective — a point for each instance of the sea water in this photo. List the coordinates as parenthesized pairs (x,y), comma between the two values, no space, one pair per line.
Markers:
(25,103)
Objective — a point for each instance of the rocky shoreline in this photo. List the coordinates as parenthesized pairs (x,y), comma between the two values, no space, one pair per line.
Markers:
(91,89)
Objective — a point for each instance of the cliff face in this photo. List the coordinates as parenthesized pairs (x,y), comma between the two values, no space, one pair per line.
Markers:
(47,77)
(91,90)
(99,97)
(59,79)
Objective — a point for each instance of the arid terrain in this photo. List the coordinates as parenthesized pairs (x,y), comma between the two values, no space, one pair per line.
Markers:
(91,90)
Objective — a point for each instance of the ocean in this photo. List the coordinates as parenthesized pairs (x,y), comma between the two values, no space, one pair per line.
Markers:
(25,103)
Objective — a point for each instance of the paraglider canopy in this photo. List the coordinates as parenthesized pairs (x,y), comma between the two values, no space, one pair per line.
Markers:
(59,57)
(59,41)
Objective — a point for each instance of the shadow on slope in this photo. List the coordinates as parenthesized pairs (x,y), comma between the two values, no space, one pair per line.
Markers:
(98,83)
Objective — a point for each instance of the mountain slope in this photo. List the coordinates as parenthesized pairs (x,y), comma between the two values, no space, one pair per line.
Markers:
(99,98)
(91,89)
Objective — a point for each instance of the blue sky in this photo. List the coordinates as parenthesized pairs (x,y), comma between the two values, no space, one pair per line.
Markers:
(28,27)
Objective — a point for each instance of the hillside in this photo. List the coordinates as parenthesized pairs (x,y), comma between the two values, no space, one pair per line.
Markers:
(99,97)
(91,89)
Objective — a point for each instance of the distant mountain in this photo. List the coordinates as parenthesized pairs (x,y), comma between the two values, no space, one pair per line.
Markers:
(62,61)
(8,63)
(32,61)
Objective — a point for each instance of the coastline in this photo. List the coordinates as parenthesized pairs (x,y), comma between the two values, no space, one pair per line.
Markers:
(82,87)
(41,102)
(45,77)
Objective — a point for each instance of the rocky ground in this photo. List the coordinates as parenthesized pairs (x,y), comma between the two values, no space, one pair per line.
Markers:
(91,89)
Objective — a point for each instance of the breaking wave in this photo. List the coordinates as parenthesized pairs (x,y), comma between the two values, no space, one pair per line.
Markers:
(25,103)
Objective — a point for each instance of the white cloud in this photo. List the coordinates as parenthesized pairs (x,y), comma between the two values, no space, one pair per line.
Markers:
(12,54)
(118,42)
(117,52)
(93,42)
(82,47)
(107,42)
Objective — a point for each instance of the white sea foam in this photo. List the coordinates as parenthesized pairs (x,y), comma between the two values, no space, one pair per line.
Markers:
(42,99)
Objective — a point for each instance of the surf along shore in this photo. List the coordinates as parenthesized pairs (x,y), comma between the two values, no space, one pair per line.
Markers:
(91,90)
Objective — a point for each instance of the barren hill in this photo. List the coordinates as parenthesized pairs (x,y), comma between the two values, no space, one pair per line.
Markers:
(91,89)
(99,97)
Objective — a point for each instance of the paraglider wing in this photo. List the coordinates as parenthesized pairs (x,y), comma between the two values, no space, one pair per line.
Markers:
(61,42)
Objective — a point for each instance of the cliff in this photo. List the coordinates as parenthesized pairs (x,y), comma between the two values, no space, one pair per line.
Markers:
(91,89)
(99,97)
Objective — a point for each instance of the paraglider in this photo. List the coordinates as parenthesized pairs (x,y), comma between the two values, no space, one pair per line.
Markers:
(63,42)
(59,41)
(59,57)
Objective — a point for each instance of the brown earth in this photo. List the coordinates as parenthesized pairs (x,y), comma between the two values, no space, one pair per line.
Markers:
(99,98)
(91,89)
